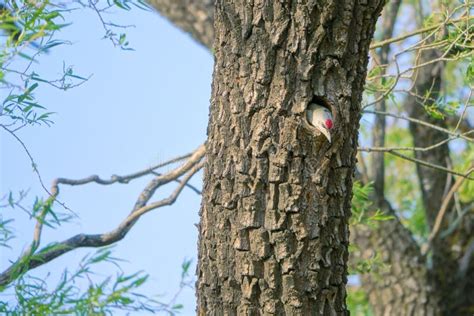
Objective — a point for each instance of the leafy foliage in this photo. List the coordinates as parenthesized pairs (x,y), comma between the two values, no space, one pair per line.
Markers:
(361,203)
(466,159)
(363,215)
(357,302)
(67,297)
(28,31)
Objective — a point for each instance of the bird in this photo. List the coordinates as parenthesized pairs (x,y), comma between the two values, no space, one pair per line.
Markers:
(321,118)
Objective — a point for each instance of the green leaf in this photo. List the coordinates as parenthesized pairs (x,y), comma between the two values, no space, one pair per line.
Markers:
(177,306)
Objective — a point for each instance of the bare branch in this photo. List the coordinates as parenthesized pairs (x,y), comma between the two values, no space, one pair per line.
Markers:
(120,179)
(190,186)
(150,189)
(31,258)
(421,149)
(462,119)
(461,124)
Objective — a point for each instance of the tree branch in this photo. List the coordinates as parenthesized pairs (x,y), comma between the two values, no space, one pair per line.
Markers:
(438,26)
(431,165)
(120,179)
(31,258)
(193,17)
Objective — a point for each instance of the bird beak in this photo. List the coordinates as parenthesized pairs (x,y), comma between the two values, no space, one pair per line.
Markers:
(326,133)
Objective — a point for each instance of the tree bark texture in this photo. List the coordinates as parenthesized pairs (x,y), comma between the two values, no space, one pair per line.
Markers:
(276,200)
(402,285)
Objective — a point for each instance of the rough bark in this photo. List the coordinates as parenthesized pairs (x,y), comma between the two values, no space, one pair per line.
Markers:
(401,285)
(276,202)
(195,17)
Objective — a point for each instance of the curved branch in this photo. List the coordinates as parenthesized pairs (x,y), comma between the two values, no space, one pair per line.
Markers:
(120,179)
(31,259)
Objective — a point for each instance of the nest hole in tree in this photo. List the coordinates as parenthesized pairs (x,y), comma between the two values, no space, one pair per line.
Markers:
(323,101)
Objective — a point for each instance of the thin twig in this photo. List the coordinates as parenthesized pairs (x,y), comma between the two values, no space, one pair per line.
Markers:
(120,179)
(51,194)
(407,148)
(430,165)
(464,111)
(419,31)
(33,164)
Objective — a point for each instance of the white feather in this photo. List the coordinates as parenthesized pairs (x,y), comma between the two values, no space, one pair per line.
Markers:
(317,116)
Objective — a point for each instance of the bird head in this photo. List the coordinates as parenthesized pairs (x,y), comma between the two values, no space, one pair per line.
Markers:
(321,118)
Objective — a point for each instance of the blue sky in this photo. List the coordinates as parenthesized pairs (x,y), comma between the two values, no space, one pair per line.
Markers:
(139,108)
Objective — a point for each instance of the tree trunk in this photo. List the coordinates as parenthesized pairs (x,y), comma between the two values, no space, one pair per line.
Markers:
(377,170)
(452,280)
(402,286)
(276,201)
(192,16)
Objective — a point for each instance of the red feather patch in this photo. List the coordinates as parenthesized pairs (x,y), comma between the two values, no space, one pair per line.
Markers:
(329,123)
